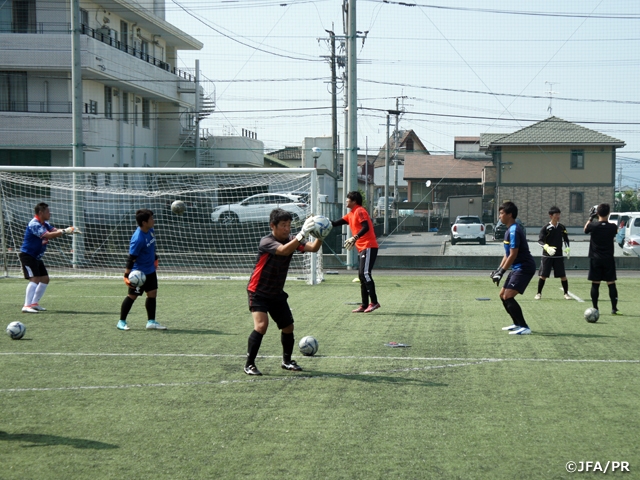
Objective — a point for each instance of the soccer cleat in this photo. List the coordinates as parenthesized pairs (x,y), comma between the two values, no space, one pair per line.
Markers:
(511,327)
(538,296)
(292,365)
(37,307)
(360,309)
(29,309)
(372,307)
(252,370)
(122,325)
(567,296)
(153,325)
(521,331)
(615,311)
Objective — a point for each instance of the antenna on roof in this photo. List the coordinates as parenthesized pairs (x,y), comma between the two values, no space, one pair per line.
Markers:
(550,93)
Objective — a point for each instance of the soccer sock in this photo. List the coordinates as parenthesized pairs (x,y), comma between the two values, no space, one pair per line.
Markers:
(613,295)
(127,303)
(31,290)
(371,288)
(287,346)
(39,292)
(540,285)
(150,305)
(595,293)
(515,311)
(255,339)
(565,285)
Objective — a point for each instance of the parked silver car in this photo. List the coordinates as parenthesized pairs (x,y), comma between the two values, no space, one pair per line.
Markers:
(257,208)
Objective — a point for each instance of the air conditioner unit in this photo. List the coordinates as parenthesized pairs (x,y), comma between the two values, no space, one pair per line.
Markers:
(138,100)
(116,92)
(106,31)
(138,32)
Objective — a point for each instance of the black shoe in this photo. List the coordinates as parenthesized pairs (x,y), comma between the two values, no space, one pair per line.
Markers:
(252,370)
(292,365)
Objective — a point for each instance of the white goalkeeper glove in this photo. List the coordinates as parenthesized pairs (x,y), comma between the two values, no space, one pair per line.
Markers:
(567,253)
(549,249)
(71,230)
(307,228)
(351,241)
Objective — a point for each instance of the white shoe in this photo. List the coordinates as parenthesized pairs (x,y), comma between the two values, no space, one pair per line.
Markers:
(567,296)
(521,331)
(153,325)
(538,296)
(29,309)
(35,306)
(511,327)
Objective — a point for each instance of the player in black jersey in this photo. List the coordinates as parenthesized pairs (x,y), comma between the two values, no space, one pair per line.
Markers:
(602,264)
(266,286)
(551,238)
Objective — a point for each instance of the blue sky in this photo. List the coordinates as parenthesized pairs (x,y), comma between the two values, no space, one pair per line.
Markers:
(459,68)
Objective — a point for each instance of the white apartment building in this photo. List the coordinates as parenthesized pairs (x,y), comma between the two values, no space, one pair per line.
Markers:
(139,107)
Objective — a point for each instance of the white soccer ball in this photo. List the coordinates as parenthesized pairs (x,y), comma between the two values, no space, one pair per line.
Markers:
(137,278)
(322,227)
(16,330)
(178,207)
(308,346)
(591,315)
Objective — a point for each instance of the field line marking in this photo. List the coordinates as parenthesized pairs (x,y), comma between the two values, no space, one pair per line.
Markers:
(328,357)
(573,295)
(227,382)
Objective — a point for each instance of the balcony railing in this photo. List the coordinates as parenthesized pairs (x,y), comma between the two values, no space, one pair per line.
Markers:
(51,27)
(35,107)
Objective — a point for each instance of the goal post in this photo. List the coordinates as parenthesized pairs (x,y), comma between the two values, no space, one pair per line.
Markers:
(216,238)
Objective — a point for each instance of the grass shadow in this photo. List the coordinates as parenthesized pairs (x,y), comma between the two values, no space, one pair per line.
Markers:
(380,379)
(174,331)
(40,440)
(577,335)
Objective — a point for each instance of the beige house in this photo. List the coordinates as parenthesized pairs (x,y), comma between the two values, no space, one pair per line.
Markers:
(552,162)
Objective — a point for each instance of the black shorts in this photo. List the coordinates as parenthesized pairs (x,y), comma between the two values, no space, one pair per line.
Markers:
(150,284)
(276,306)
(601,270)
(518,280)
(32,267)
(557,263)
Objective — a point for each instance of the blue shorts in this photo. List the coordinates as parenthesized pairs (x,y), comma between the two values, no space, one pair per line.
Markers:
(518,280)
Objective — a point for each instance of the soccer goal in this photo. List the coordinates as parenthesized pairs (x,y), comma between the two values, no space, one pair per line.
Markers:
(217,237)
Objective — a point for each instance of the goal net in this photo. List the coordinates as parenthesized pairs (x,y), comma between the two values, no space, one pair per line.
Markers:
(227,213)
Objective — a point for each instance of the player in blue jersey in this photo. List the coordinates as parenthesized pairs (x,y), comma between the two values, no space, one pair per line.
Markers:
(517,257)
(142,256)
(36,237)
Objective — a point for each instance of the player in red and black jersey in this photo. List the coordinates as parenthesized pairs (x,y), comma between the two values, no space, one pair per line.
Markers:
(266,286)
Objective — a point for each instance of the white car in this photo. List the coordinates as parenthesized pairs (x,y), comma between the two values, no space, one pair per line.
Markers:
(632,236)
(257,208)
(468,228)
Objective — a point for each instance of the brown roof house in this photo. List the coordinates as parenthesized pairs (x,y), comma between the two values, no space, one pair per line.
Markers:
(552,162)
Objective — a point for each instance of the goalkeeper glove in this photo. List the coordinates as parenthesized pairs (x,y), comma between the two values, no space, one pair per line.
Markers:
(593,214)
(496,276)
(307,227)
(155,263)
(549,249)
(351,241)
(71,230)
(126,280)
(567,253)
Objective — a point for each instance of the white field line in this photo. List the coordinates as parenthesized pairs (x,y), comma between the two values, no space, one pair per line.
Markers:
(227,382)
(327,357)
(573,295)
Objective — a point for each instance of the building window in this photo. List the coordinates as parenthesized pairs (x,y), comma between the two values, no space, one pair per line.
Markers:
(125,107)
(108,102)
(146,113)
(84,18)
(577,159)
(409,144)
(576,201)
(124,35)
(13,91)
(23,16)
(91,107)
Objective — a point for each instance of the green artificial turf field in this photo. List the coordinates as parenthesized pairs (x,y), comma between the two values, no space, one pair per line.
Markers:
(81,399)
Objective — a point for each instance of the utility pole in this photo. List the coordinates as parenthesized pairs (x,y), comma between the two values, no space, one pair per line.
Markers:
(334,109)
(77,215)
